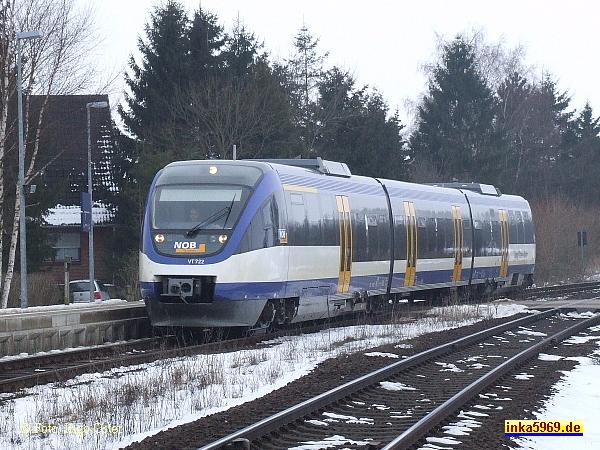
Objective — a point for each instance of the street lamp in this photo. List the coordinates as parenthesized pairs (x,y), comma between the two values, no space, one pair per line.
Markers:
(22,233)
(96,105)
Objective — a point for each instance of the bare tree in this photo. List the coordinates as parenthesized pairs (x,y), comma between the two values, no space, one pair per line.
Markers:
(218,114)
(495,60)
(54,64)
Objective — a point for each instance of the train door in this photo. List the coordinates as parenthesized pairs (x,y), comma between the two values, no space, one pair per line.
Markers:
(411,244)
(504,240)
(458,243)
(345,229)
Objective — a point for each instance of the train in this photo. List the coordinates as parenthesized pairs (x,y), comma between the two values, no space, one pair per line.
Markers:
(262,243)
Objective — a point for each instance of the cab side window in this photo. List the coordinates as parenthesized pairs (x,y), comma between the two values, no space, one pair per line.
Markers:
(263,229)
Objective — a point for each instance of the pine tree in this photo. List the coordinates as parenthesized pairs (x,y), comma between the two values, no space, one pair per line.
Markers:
(356,129)
(455,127)
(581,157)
(206,41)
(241,52)
(304,72)
(163,71)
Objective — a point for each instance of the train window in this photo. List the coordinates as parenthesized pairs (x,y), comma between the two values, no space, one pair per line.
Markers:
(263,228)
(182,207)
(512,227)
(528,228)
(298,224)
(399,236)
(331,233)
(495,239)
(520,228)
(467,238)
(363,237)
(313,220)
(447,234)
(432,238)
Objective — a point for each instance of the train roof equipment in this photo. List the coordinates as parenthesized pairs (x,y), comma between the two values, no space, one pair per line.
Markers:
(338,169)
(485,189)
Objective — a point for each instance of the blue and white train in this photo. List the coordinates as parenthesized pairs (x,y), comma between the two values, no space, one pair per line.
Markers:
(256,243)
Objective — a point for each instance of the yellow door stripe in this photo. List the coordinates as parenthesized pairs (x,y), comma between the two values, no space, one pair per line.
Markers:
(345,229)
(458,243)
(504,241)
(411,244)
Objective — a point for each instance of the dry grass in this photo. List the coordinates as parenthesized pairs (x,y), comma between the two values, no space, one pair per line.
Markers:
(42,290)
(558,257)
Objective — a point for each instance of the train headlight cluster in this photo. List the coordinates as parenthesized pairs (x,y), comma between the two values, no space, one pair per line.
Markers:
(213,170)
(159,238)
(223,238)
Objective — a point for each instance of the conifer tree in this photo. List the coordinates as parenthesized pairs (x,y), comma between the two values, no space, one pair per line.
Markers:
(356,129)
(304,72)
(162,71)
(581,158)
(455,126)
(206,41)
(241,52)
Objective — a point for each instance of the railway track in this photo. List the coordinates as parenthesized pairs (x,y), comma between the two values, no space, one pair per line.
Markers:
(558,289)
(59,366)
(397,405)
(17,373)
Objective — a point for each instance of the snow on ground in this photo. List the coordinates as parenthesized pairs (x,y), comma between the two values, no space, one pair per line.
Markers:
(123,405)
(576,398)
(392,386)
(383,355)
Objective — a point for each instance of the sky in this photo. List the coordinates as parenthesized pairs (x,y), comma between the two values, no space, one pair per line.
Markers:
(385,44)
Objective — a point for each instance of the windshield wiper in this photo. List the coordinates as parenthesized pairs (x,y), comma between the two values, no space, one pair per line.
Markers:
(210,219)
(229,212)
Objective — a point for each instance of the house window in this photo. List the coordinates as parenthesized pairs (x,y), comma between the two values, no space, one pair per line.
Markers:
(67,245)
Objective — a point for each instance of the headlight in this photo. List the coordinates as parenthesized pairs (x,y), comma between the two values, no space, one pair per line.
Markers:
(223,238)
(159,238)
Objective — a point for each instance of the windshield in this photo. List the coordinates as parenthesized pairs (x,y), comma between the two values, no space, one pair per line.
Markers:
(207,207)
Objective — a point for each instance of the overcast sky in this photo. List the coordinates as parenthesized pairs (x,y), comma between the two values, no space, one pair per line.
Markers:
(385,43)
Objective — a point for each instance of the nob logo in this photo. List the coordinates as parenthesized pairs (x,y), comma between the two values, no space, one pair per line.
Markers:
(185,244)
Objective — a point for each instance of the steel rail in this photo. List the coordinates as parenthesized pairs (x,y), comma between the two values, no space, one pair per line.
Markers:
(560,288)
(304,408)
(419,429)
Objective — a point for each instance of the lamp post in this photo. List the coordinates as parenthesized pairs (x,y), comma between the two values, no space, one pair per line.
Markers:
(22,232)
(96,105)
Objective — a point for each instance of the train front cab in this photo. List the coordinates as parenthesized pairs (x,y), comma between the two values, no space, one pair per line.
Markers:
(213,249)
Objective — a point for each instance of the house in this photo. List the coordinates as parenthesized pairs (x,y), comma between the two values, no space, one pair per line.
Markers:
(63,159)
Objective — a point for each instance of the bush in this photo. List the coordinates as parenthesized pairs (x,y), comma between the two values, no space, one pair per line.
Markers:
(557,221)
(42,290)
(128,278)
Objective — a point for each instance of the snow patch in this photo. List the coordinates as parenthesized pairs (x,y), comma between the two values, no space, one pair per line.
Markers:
(393,386)
(529,332)
(448,367)
(547,357)
(382,354)
(523,376)
(437,440)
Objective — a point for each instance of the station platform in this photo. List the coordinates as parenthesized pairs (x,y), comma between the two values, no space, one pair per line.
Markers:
(45,328)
